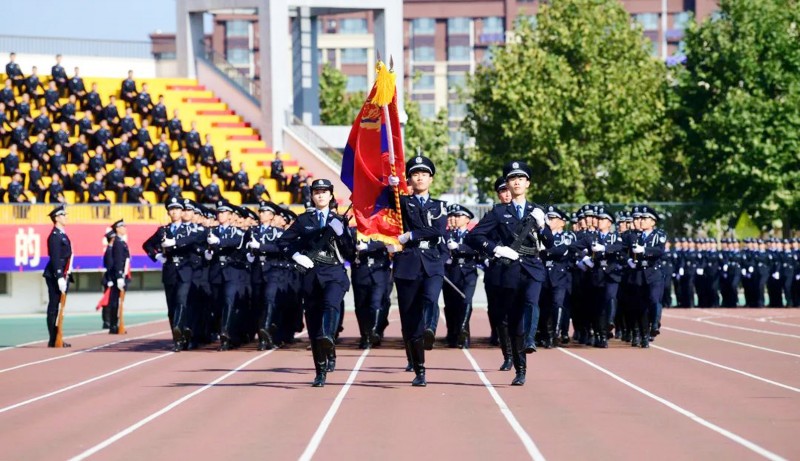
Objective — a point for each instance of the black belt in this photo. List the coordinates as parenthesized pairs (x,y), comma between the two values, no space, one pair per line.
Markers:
(324,257)
(528,251)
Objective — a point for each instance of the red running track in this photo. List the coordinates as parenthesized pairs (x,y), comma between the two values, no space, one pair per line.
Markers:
(727,390)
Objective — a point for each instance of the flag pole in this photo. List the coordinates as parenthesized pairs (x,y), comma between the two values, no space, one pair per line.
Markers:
(385,82)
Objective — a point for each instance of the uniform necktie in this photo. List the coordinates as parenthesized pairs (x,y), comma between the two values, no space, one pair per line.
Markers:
(421,200)
(519,211)
(321,219)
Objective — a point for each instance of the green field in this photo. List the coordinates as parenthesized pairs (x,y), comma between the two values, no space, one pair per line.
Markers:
(21,329)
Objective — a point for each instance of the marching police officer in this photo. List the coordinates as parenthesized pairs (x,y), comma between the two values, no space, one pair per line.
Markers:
(319,242)
(371,277)
(121,258)
(558,282)
(515,234)
(266,274)
(461,270)
(419,267)
(57,272)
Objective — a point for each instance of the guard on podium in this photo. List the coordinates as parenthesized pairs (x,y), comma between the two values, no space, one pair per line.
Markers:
(121,263)
(57,272)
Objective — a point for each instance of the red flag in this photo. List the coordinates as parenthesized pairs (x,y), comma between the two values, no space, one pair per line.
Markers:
(104,300)
(374,152)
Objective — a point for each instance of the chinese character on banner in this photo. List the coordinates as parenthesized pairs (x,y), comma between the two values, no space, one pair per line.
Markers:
(27,248)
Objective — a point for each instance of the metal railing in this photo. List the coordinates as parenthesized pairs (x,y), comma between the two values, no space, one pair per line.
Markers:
(310,137)
(236,75)
(76,46)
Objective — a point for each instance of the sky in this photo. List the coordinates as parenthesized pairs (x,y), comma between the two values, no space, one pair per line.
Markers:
(95,19)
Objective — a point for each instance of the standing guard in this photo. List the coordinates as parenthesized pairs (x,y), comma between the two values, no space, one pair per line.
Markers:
(515,234)
(121,274)
(57,272)
(319,242)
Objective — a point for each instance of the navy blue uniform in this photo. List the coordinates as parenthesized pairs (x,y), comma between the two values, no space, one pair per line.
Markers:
(121,263)
(554,321)
(462,271)
(371,277)
(227,275)
(648,283)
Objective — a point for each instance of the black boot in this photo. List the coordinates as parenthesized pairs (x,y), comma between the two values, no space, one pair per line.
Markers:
(320,363)
(635,337)
(409,361)
(520,360)
(106,316)
(505,347)
(429,337)
(266,330)
(417,348)
(52,329)
(331,360)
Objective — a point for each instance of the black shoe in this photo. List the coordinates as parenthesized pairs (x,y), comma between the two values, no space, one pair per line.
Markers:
(519,379)
(409,367)
(530,348)
(548,343)
(507,364)
(463,340)
(176,334)
(265,337)
(319,380)
(106,325)
(327,344)
(331,365)
(635,341)
(114,330)
(225,345)
(262,346)
(428,337)
(564,340)
(177,346)
(419,380)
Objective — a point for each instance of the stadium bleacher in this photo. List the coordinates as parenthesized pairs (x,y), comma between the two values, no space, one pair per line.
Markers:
(195,104)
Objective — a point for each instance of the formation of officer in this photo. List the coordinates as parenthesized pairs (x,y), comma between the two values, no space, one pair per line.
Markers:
(705,272)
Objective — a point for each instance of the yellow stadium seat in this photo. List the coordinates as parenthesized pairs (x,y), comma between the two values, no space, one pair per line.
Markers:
(150,196)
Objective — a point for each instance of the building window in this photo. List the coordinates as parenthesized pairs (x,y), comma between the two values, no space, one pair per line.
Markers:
(456,81)
(458,26)
(457,138)
(424,82)
(458,53)
(423,26)
(456,110)
(239,56)
(493,25)
(649,21)
(354,56)
(353,26)
(237,29)
(681,21)
(427,110)
(3,283)
(424,53)
(356,83)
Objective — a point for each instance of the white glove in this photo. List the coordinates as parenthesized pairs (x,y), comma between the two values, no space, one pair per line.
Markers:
(582,266)
(598,248)
(62,284)
(486,262)
(638,249)
(725,267)
(361,246)
(208,255)
(391,248)
(776,275)
(750,269)
(631,263)
(506,252)
(538,216)
(303,260)
(700,271)
(797,277)
(452,245)
(168,243)
(587,261)
(681,271)
(449,261)
(160,258)
(110,283)
(394,181)
(250,258)
(212,239)
(404,238)
(121,284)
(337,226)
(253,244)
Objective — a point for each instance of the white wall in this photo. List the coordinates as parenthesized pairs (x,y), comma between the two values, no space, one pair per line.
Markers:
(90,66)
(28,295)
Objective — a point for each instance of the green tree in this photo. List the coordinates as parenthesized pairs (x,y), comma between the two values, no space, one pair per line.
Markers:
(432,138)
(580,98)
(738,111)
(336,105)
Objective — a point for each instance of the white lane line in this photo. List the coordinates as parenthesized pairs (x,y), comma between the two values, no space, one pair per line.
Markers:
(130,429)
(716,338)
(767,319)
(83,383)
(73,354)
(724,432)
(735,327)
(316,439)
(526,439)
(734,370)
(91,333)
